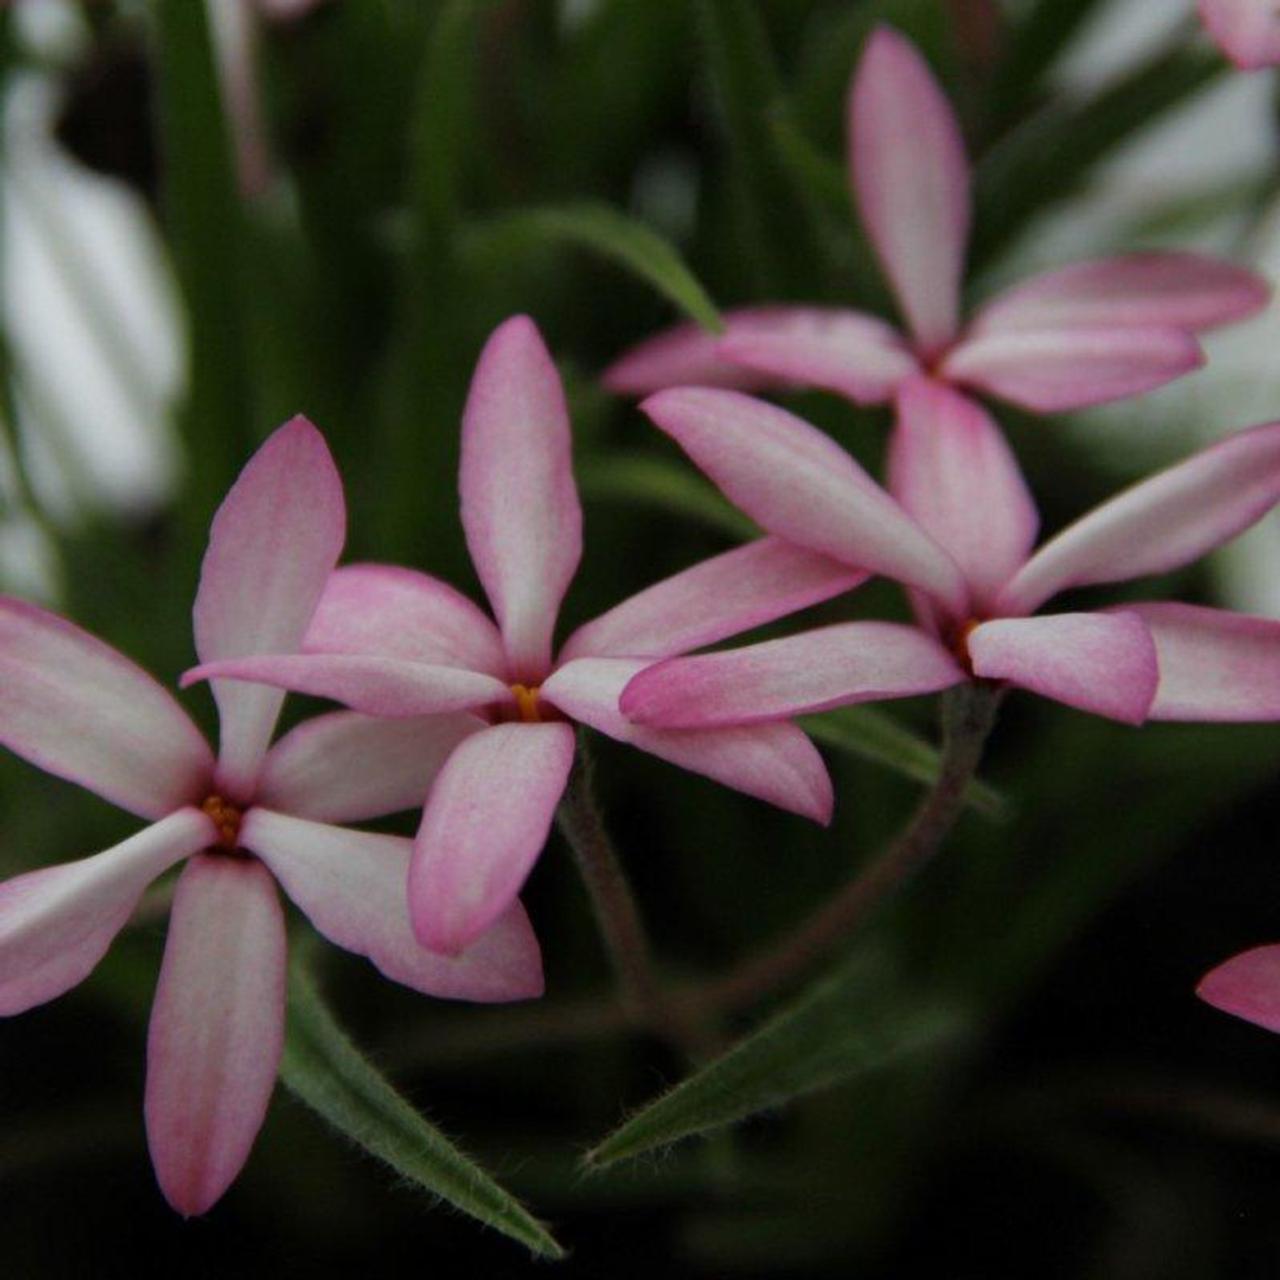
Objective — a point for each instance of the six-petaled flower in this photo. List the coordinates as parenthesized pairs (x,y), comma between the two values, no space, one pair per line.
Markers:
(244,821)
(392,642)
(960,535)
(1080,335)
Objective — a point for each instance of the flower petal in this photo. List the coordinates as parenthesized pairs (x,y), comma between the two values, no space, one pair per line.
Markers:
(217,1028)
(392,612)
(854,355)
(347,767)
(773,762)
(1247,985)
(520,505)
(57,923)
(799,484)
(1139,290)
(1214,665)
(951,468)
(1161,523)
(911,181)
(1248,32)
(718,598)
(376,686)
(689,355)
(273,543)
(76,708)
(813,671)
(352,886)
(1100,662)
(485,823)
(1053,370)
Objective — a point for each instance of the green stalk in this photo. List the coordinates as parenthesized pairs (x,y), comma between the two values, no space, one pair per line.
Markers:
(968,714)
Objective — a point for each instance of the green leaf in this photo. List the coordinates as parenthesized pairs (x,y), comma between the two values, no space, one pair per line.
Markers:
(872,735)
(1052,154)
(775,214)
(823,175)
(1034,44)
(831,1033)
(655,482)
(203,219)
(603,230)
(331,1076)
(415,511)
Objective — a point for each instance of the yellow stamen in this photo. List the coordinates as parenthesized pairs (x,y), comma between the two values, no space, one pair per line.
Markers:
(960,643)
(527,702)
(226,817)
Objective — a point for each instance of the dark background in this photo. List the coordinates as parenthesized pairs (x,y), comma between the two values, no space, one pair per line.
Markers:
(1096,1120)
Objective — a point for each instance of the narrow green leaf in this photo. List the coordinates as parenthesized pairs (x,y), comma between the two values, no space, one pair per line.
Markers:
(1053,153)
(775,214)
(872,735)
(1033,46)
(442,124)
(203,220)
(655,482)
(418,456)
(345,189)
(847,250)
(329,1074)
(831,1033)
(603,230)
(823,175)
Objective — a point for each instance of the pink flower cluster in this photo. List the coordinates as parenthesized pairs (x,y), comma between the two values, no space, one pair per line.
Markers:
(957,525)
(475,718)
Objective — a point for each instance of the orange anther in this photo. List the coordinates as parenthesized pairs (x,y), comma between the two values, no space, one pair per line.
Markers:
(226,817)
(960,643)
(527,703)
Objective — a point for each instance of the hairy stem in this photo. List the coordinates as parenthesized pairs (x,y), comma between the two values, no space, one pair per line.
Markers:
(617,914)
(681,1013)
(968,713)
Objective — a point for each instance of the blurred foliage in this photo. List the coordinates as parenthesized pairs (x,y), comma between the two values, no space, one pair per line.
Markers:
(438,167)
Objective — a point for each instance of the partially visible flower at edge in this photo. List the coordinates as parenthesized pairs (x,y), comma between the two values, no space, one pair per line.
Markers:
(394,642)
(960,535)
(76,708)
(1080,335)
(1247,985)
(1247,31)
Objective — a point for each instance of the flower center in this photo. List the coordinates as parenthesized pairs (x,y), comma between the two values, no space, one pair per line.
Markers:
(527,702)
(226,817)
(960,642)
(932,359)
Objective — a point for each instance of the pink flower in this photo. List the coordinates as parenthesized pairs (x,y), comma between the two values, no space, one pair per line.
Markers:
(245,821)
(1081,335)
(393,642)
(1216,665)
(1247,30)
(1247,985)
(960,535)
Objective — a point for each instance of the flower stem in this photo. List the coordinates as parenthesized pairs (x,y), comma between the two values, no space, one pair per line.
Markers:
(617,913)
(968,713)
(681,1014)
